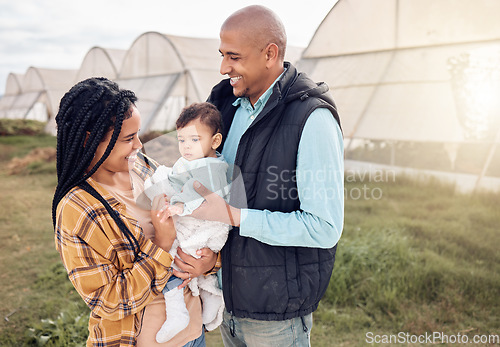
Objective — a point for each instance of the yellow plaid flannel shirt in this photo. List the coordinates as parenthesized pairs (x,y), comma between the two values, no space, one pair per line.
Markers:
(101,266)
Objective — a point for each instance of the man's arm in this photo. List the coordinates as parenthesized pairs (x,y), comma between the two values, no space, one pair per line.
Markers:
(212,175)
(320,184)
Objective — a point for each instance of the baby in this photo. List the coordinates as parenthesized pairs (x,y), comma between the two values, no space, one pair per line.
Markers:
(199,134)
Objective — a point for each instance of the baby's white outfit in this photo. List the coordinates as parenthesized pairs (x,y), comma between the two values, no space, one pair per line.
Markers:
(192,234)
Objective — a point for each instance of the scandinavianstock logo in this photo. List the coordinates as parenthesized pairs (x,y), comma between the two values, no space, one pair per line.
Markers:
(323,184)
(371,180)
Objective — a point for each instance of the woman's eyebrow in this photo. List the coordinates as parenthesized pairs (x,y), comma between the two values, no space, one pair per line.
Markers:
(130,135)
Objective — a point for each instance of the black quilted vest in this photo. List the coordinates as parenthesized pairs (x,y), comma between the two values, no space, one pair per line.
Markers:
(261,281)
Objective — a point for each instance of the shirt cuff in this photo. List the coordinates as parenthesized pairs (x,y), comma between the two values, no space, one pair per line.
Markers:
(163,270)
(217,266)
(251,222)
(157,253)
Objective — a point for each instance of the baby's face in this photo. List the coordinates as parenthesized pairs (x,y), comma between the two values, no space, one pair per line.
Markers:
(196,140)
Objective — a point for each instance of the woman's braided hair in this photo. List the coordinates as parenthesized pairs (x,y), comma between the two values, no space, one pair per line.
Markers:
(87,112)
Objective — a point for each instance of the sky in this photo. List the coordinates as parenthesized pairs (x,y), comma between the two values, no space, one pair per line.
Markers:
(58,33)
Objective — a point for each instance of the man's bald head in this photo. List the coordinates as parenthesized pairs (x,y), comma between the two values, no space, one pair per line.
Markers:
(260,26)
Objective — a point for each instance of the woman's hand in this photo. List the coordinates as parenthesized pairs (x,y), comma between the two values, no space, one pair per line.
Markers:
(165,233)
(192,267)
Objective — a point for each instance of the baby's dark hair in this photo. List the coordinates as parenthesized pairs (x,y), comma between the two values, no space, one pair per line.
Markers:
(86,113)
(207,113)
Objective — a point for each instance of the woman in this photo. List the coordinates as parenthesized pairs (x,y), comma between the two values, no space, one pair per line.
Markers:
(113,248)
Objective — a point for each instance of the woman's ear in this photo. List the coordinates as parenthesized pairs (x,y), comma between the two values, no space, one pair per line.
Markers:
(216,140)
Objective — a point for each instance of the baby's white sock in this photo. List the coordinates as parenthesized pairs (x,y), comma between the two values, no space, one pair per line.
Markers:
(177,315)
(211,305)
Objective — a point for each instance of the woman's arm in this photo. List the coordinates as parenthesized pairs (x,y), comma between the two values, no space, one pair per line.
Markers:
(101,265)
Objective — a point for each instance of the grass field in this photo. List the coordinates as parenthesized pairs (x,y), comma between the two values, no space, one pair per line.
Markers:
(414,258)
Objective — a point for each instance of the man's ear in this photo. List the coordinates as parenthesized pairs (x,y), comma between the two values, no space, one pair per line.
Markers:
(216,140)
(86,138)
(271,53)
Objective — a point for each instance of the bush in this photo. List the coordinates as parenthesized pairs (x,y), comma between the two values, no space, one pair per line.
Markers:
(9,127)
(70,328)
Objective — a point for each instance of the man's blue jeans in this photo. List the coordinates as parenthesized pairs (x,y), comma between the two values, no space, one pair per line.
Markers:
(199,342)
(253,333)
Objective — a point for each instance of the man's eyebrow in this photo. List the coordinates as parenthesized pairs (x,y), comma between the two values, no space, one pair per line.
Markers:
(228,53)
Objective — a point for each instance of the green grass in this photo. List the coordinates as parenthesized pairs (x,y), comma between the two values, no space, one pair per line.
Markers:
(419,258)
(29,127)
(19,146)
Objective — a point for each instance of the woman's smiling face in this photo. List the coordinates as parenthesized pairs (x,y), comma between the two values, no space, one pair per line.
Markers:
(126,147)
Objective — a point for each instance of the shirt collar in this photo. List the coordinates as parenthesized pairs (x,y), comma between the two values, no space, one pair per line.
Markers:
(103,192)
(141,168)
(245,102)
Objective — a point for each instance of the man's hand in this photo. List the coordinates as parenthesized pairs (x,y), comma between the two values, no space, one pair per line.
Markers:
(214,207)
(192,267)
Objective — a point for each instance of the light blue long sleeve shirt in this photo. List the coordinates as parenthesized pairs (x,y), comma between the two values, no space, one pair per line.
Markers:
(320,182)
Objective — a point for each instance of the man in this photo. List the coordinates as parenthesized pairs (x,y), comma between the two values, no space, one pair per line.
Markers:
(282,131)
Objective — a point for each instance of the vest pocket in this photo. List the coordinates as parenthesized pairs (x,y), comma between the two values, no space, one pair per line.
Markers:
(259,289)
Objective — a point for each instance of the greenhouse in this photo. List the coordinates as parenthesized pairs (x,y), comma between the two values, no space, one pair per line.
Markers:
(415,85)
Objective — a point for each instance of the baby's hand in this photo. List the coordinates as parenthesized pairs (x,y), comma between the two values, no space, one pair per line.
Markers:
(164,227)
(160,218)
(176,209)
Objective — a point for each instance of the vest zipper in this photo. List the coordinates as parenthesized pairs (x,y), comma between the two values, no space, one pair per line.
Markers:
(231,326)
(304,326)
